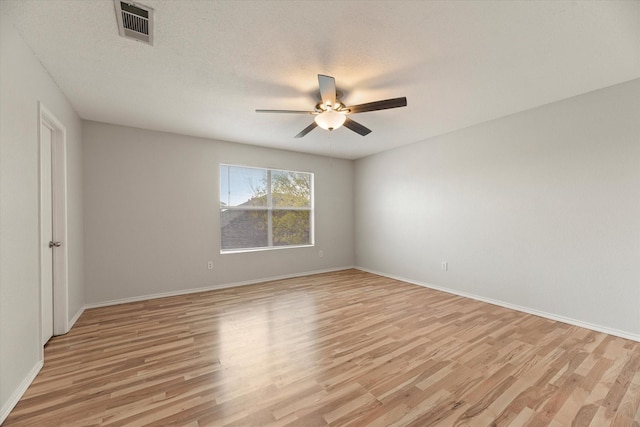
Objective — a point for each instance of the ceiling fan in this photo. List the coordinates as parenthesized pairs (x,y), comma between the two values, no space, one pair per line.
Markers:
(331,113)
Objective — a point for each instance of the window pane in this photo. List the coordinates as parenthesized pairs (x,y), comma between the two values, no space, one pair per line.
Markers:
(291,228)
(244,229)
(242,186)
(290,189)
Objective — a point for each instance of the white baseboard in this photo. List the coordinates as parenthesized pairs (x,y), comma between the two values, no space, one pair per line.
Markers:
(528,310)
(75,318)
(210,288)
(17,394)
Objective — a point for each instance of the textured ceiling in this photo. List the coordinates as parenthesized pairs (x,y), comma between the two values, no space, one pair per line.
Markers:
(214,62)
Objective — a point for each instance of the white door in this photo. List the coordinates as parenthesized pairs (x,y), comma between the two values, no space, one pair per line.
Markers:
(46,224)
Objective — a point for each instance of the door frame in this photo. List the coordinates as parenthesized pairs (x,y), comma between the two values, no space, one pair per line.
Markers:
(59,223)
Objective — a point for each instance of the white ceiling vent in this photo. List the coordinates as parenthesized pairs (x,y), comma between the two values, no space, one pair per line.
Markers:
(135,21)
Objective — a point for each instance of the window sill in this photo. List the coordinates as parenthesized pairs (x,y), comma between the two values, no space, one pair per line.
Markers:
(271,248)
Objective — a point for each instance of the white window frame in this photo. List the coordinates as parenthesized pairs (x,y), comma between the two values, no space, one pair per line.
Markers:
(269,208)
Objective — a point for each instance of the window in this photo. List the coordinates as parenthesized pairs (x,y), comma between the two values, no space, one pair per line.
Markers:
(265,208)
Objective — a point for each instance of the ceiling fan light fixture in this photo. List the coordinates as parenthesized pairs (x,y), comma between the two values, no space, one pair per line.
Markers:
(330,119)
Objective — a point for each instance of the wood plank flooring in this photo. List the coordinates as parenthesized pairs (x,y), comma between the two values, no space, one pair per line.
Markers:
(340,349)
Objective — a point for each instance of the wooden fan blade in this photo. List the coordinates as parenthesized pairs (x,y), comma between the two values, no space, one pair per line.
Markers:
(356,127)
(378,105)
(286,111)
(327,89)
(306,130)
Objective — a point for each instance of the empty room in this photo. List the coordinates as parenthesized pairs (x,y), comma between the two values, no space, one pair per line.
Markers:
(319,213)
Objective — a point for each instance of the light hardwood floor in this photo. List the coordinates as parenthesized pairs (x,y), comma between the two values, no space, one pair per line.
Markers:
(346,348)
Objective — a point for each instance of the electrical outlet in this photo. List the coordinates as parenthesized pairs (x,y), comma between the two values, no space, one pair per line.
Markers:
(210,265)
(444,265)
(321,253)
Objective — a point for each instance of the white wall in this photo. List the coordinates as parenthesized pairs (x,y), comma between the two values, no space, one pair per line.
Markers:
(24,82)
(152,213)
(540,209)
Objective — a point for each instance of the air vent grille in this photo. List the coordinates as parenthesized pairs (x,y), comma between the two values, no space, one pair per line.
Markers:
(135,21)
